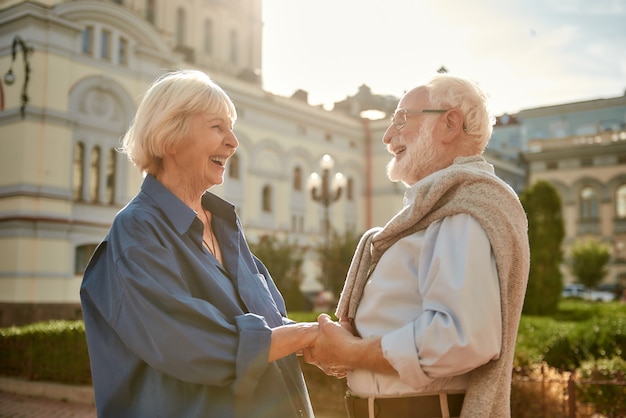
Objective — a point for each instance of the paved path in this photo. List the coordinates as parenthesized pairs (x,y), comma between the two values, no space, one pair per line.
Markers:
(30,399)
(14,405)
(24,399)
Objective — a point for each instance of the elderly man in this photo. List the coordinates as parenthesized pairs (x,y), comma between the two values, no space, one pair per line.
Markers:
(431,306)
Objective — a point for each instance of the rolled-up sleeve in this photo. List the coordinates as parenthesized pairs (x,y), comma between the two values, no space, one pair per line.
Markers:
(460,326)
(251,361)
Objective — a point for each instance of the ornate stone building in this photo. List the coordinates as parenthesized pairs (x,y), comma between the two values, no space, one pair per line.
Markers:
(589,173)
(74,94)
(82,67)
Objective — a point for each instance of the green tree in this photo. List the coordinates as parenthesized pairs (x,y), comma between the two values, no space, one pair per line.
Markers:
(545,235)
(588,261)
(284,262)
(335,260)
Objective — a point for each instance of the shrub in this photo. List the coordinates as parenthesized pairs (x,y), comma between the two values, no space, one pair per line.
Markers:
(52,351)
(535,336)
(600,337)
(579,331)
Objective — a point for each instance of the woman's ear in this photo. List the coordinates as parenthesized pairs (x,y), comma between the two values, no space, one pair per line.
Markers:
(170,148)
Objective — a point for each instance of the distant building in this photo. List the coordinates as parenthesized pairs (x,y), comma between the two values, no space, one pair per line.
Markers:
(589,173)
(513,133)
(580,148)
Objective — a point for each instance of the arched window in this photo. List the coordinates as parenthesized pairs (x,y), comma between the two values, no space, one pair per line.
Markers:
(122,51)
(208,36)
(181,24)
(350,188)
(233,167)
(150,10)
(297,178)
(234,47)
(77,179)
(111,163)
(87,41)
(620,201)
(81,257)
(94,175)
(106,38)
(267,199)
(588,204)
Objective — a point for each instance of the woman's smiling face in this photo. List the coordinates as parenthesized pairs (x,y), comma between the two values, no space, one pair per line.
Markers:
(202,156)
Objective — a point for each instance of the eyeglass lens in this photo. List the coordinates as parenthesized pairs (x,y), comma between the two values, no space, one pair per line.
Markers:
(399,118)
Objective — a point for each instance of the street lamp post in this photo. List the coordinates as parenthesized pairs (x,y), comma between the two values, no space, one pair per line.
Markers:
(326,191)
(9,77)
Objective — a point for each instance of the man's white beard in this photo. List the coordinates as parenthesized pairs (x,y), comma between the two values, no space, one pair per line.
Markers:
(420,153)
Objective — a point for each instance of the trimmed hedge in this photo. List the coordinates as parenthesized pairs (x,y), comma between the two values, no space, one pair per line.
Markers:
(580,332)
(50,351)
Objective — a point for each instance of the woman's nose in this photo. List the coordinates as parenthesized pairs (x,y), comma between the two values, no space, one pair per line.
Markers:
(232,140)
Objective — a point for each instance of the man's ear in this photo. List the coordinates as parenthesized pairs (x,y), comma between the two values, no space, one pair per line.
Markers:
(454,125)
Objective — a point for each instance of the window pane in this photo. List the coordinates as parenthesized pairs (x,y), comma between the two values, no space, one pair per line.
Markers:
(77,179)
(588,204)
(110,192)
(350,188)
(122,51)
(87,40)
(105,45)
(94,175)
(234,47)
(620,199)
(81,257)
(233,167)
(267,199)
(180,27)
(297,178)
(208,36)
(150,11)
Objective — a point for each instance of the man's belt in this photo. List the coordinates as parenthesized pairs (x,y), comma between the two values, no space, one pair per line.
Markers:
(430,406)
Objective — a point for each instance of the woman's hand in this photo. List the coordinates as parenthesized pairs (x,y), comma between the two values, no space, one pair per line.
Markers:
(292,338)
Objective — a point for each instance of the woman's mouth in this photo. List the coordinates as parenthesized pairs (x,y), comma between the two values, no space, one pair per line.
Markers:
(219,160)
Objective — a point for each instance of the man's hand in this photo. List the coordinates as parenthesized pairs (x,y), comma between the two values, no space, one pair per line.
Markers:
(336,350)
(331,349)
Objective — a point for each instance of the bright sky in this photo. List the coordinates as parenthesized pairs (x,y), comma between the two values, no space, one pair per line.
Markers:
(525,53)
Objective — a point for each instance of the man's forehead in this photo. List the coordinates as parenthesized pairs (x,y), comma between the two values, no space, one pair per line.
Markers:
(415,96)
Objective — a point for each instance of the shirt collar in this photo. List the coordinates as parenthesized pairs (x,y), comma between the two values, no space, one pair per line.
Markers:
(219,207)
(178,213)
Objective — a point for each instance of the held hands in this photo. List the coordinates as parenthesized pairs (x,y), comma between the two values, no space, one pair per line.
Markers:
(331,349)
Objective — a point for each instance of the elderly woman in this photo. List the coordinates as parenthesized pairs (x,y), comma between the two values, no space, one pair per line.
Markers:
(182,320)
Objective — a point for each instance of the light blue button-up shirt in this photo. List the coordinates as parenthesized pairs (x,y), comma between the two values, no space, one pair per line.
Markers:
(434,299)
(173,333)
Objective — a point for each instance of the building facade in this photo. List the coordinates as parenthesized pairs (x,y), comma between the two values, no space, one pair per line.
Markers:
(87,64)
(74,95)
(580,149)
(589,174)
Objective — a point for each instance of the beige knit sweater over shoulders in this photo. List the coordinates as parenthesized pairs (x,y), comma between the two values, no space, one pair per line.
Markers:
(467,186)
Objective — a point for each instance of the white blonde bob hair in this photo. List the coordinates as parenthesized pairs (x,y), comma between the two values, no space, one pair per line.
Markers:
(164,115)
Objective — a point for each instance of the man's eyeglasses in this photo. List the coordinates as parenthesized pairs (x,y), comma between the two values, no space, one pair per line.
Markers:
(399,117)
